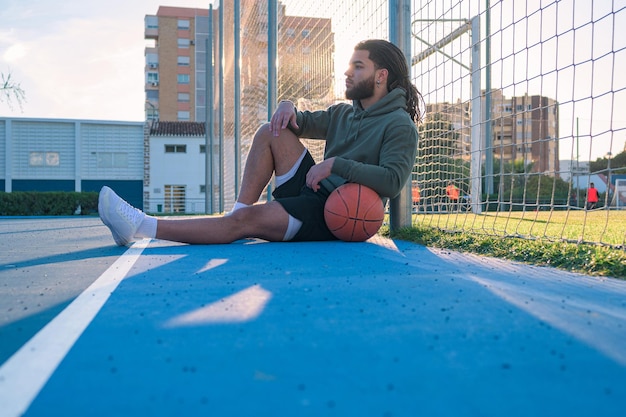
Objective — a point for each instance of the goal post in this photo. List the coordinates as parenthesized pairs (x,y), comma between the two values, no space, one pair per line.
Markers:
(619,196)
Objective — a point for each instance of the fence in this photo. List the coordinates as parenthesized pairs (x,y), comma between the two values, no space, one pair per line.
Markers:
(522,102)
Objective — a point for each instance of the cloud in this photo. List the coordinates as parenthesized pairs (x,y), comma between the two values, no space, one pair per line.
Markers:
(78,62)
(14,52)
(87,68)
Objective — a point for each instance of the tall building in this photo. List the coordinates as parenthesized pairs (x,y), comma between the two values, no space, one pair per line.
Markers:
(176,61)
(176,94)
(526,128)
(523,128)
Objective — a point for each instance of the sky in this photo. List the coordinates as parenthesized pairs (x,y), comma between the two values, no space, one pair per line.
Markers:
(84,59)
(77,59)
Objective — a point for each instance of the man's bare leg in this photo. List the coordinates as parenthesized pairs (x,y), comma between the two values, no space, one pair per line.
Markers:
(268,155)
(265,221)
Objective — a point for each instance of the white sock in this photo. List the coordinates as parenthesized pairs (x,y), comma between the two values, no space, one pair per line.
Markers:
(237,206)
(147,228)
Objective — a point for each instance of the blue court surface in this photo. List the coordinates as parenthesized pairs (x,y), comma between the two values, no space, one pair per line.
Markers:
(381,328)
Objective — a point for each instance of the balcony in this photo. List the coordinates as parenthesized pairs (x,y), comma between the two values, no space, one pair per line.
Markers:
(152,27)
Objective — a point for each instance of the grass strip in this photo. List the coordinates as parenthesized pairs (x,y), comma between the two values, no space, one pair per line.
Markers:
(589,259)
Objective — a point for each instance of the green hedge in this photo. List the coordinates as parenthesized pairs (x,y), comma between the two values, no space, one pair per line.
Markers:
(31,203)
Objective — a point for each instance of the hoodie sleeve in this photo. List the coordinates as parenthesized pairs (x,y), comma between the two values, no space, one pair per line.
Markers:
(396,161)
(313,125)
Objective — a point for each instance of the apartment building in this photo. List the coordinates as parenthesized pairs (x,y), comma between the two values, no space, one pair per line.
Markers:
(176,84)
(176,61)
(523,128)
(526,128)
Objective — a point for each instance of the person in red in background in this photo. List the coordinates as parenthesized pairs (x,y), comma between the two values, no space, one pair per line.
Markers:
(453,195)
(415,195)
(592,197)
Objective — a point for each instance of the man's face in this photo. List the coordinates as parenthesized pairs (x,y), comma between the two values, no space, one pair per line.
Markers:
(360,77)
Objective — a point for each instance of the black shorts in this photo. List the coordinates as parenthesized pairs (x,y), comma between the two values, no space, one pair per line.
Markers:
(305,204)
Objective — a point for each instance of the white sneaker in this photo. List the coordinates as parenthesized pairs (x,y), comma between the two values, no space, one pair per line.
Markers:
(121,218)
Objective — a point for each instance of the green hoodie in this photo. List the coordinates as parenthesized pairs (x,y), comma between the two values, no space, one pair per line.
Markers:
(374,147)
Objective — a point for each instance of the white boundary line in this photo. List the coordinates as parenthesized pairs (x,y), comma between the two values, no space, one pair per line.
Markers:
(25,373)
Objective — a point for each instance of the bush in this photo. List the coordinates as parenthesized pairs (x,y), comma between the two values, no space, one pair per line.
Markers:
(31,203)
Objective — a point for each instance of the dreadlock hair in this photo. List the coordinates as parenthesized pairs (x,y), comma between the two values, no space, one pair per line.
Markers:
(386,55)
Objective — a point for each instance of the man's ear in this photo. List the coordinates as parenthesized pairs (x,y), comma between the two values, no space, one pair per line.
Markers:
(383,73)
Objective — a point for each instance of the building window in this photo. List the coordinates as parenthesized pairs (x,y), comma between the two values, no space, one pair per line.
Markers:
(306,33)
(152,22)
(202,189)
(291,32)
(39,159)
(202,148)
(183,61)
(184,97)
(152,61)
(183,24)
(184,115)
(152,78)
(112,160)
(175,148)
(183,78)
(183,43)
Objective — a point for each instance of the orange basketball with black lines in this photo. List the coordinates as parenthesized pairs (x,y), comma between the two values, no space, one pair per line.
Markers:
(354,212)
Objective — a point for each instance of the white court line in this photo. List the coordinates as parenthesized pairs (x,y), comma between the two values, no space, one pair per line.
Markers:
(25,373)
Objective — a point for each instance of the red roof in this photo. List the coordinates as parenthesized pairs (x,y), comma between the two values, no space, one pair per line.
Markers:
(159,128)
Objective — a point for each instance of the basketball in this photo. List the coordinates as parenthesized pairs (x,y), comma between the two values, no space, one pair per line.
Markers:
(353,212)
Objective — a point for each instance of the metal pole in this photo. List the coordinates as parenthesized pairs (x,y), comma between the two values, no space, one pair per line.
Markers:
(272,56)
(237,116)
(475,161)
(488,124)
(208,167)
(221,105)
(207,126)
(272,46)
(400,34)
(577,168)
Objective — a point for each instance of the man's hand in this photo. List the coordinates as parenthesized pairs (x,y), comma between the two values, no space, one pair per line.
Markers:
(285,113)
(319,172)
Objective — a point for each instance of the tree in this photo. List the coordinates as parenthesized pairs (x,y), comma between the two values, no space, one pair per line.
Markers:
(517,183)
(9,91)
(618,164)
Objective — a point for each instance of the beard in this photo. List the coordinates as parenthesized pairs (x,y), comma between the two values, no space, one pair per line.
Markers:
(362,90)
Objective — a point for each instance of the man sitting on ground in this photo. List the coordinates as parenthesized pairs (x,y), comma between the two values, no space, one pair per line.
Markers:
(372,141)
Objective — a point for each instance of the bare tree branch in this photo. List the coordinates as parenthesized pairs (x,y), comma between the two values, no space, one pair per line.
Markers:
(11,91)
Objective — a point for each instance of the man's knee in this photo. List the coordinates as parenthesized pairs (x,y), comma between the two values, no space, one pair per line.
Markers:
(268,221)
(263,133)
